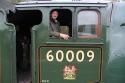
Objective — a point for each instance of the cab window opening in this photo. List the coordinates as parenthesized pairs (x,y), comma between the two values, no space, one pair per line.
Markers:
(24,20)
(88,23)
(63,25)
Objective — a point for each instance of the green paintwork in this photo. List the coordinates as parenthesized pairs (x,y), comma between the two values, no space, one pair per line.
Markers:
(86,71)
(52,72)
(107,65)
(7,50)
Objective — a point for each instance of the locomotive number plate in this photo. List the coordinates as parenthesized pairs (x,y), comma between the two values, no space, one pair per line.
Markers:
(70,64)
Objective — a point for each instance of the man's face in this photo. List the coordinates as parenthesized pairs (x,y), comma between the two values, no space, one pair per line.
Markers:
(54,15)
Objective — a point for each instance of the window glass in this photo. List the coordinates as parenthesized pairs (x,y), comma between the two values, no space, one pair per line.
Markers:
(88,24)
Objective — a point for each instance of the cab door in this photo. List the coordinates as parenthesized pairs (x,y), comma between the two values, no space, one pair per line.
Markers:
(7,50)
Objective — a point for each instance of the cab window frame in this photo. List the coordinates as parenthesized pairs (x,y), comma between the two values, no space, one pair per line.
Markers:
(70,9)
(97,25)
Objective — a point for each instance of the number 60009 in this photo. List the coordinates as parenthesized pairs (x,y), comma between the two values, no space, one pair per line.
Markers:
(70,55)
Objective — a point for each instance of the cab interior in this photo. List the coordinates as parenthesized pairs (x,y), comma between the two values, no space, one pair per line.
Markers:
(24,20)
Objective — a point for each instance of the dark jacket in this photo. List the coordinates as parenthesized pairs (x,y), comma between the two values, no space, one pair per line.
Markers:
(54,29)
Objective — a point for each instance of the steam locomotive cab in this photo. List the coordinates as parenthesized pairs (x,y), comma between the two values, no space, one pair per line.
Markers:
(93,53)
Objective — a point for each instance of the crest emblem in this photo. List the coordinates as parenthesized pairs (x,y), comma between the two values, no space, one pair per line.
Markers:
(69,72)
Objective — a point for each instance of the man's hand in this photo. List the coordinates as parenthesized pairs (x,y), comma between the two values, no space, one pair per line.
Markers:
(64,36)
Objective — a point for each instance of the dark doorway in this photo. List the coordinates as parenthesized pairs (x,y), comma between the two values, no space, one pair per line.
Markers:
(24,20)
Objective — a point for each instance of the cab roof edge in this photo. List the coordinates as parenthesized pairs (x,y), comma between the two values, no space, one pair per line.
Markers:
(64,1)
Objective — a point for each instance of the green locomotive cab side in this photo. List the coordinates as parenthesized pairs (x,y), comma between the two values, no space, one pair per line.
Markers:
(31,42)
